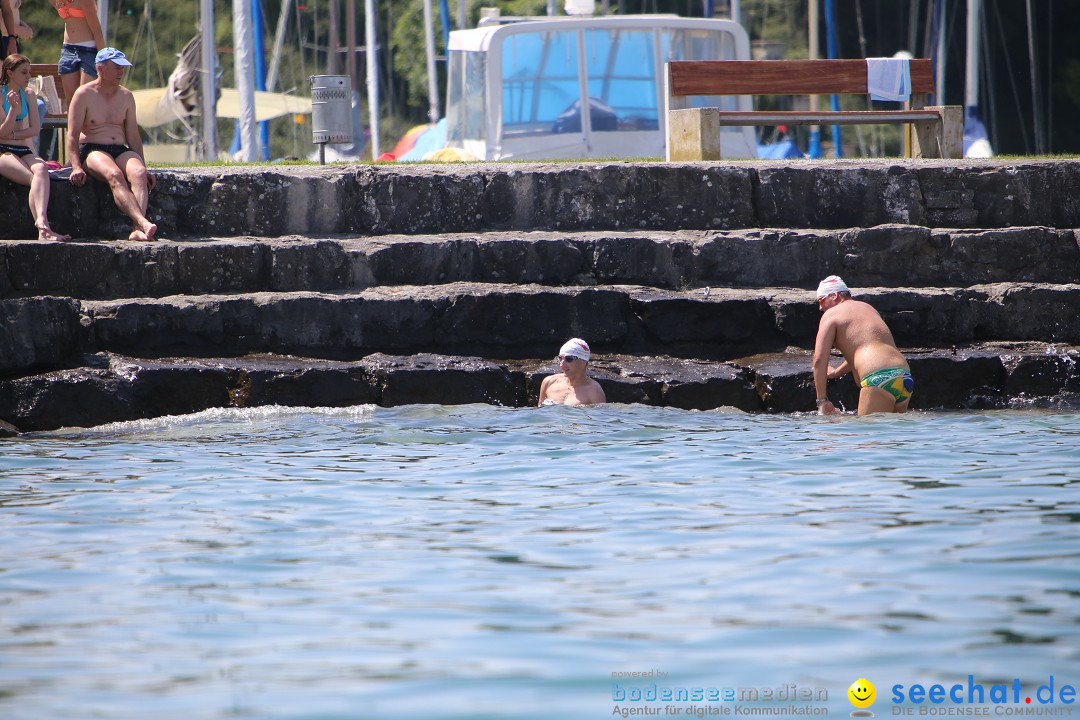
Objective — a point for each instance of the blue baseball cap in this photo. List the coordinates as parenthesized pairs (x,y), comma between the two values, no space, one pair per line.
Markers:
(111,53)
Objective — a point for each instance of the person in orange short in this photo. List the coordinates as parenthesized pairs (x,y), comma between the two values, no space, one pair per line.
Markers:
(82,39)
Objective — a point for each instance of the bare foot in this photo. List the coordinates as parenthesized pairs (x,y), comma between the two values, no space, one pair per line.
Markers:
(47,233)
(148,229)
(138,235)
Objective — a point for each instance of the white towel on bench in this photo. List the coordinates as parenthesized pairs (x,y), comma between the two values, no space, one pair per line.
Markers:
(888,79)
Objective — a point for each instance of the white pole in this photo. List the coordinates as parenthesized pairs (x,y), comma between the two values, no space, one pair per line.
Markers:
(971,68)
(736,11)
(279,40)
(103,20)
(208,80)
(244,69)
(432,77)
(371,44)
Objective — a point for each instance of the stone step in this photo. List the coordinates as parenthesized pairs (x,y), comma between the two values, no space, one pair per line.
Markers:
(410,199)
(113,388)
(882,256)
(516,321)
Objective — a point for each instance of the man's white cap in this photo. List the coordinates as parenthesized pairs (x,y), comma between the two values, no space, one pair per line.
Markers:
(576,347)
(830,285)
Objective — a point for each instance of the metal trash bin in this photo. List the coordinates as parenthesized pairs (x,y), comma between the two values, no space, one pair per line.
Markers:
(331,111)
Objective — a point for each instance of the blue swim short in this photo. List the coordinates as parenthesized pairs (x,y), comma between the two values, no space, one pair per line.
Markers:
(896,381)
(74,58)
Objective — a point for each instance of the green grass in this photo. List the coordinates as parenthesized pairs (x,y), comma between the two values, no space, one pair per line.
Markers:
(565,161)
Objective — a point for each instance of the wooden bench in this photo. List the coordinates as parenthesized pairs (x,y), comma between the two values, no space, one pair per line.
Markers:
(693,133)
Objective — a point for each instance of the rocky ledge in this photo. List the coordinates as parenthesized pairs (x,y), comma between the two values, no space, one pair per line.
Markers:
(377,200)
(670,259)
(515,321)
(112,388)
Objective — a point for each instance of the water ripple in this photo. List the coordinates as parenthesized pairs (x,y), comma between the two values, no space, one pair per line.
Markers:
(471,561)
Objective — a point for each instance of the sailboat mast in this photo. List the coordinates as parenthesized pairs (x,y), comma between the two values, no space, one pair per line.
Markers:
(429,51)
(103,19)
(245,78)
(371,43)
(971,67)
(350,41)
(279,41)
(207,81)
(260,73)
(1036,94)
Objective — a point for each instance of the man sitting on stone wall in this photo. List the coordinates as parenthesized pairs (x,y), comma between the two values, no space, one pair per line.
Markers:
(857,330)
(103,139)
(572,386)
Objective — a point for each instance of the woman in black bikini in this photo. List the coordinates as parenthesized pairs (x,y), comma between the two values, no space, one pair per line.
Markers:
(18,162)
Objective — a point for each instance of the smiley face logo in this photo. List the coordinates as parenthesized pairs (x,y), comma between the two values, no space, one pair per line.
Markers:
(862,693)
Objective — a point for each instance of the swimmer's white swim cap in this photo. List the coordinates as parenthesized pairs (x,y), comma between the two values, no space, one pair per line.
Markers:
(576,347)
(830,285)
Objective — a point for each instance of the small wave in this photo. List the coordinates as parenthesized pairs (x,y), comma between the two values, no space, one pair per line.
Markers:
(214,416)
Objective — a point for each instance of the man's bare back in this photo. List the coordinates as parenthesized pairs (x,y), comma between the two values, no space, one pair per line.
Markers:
(863,338)
(870,353)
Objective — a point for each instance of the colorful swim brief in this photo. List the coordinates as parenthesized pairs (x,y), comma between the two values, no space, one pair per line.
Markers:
(896,381)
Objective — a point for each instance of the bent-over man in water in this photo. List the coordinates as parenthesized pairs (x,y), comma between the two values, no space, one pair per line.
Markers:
(572,386)
(857,330)
(103,139)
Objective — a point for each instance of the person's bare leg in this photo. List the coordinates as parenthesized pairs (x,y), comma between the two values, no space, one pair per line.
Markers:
(103,167)
(16,171)
(39,198)
(71,83)
(875,400)
(136,173)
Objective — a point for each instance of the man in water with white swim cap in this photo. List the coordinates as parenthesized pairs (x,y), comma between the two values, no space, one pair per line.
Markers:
(857,330)
(572,386)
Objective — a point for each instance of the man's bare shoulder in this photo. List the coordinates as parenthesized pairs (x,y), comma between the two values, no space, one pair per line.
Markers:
(593,393)
(84,91)
(847,311)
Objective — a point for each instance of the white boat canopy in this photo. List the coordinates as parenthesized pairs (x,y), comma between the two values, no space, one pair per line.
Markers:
(570,87)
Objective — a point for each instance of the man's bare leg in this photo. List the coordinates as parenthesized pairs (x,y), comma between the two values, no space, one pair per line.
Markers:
(876,400)
(137,176)
(103,167)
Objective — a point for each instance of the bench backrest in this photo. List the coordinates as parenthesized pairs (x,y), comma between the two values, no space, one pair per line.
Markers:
(782,77)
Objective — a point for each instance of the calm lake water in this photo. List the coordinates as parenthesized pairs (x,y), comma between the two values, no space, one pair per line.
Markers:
(481,562)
